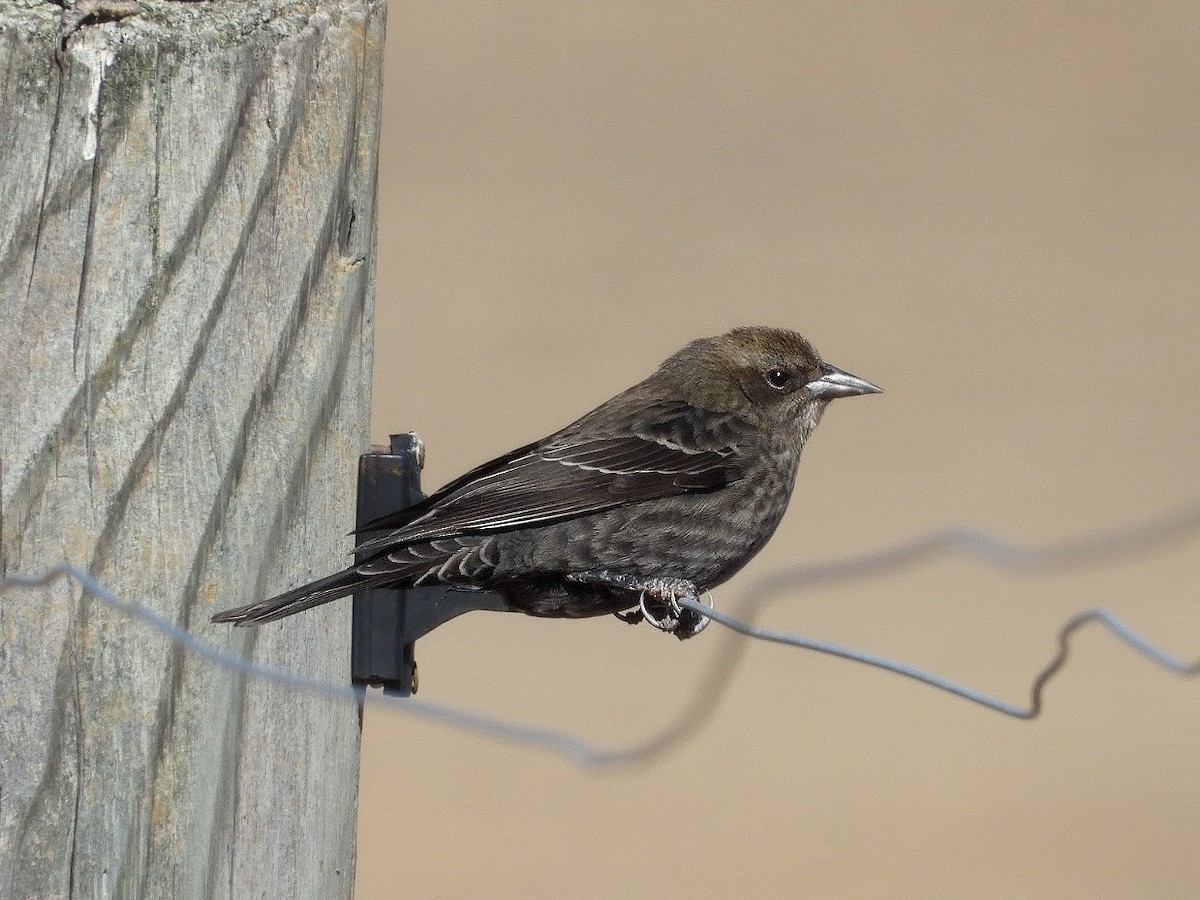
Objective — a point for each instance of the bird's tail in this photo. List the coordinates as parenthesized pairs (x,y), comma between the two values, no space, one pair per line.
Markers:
(306,596)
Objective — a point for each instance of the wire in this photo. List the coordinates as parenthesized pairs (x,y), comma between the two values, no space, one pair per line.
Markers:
(560,741)
(968,541)
(971,542)
(1031,711)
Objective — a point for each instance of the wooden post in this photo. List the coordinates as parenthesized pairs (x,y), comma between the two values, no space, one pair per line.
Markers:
(187,239)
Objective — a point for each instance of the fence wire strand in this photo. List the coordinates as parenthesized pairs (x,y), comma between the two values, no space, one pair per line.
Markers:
(970,542)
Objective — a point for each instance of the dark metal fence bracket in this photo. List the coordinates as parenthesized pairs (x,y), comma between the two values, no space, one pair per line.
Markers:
(388,621)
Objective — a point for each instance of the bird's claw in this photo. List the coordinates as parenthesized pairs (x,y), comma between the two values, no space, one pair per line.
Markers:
(659,605)
(658,601)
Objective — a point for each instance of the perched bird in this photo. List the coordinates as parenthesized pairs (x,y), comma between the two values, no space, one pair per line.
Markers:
(664,491)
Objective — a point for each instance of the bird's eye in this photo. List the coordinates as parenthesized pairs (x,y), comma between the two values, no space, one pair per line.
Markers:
(778,378)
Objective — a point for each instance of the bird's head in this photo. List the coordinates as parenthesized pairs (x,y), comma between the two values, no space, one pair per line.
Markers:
(770,375)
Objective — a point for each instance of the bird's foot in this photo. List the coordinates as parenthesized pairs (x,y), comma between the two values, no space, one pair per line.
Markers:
(658,600)
(77,12)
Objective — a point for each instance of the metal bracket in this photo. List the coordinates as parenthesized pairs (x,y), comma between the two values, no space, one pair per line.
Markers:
(388,621)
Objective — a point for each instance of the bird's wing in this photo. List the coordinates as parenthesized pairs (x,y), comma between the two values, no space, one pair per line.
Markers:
(569,475)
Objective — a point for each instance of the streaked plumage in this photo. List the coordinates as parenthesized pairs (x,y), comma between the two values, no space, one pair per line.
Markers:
(684,476)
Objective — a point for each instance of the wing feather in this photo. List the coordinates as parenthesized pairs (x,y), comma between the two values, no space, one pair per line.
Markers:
(569,475)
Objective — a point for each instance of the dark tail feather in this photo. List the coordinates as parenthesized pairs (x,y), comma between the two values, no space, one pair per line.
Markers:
(298,599)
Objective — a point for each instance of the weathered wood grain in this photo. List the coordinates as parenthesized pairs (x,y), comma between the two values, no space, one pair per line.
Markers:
(187,235)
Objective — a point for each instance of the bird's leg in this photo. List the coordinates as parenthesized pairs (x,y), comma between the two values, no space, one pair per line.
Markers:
(657,600)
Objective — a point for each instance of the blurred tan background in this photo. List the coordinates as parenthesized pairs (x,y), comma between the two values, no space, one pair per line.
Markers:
(993,212)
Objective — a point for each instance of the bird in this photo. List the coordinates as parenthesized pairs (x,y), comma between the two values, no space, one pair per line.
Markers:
(662,492)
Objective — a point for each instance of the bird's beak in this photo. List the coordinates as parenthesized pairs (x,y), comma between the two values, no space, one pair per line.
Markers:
(835,382)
